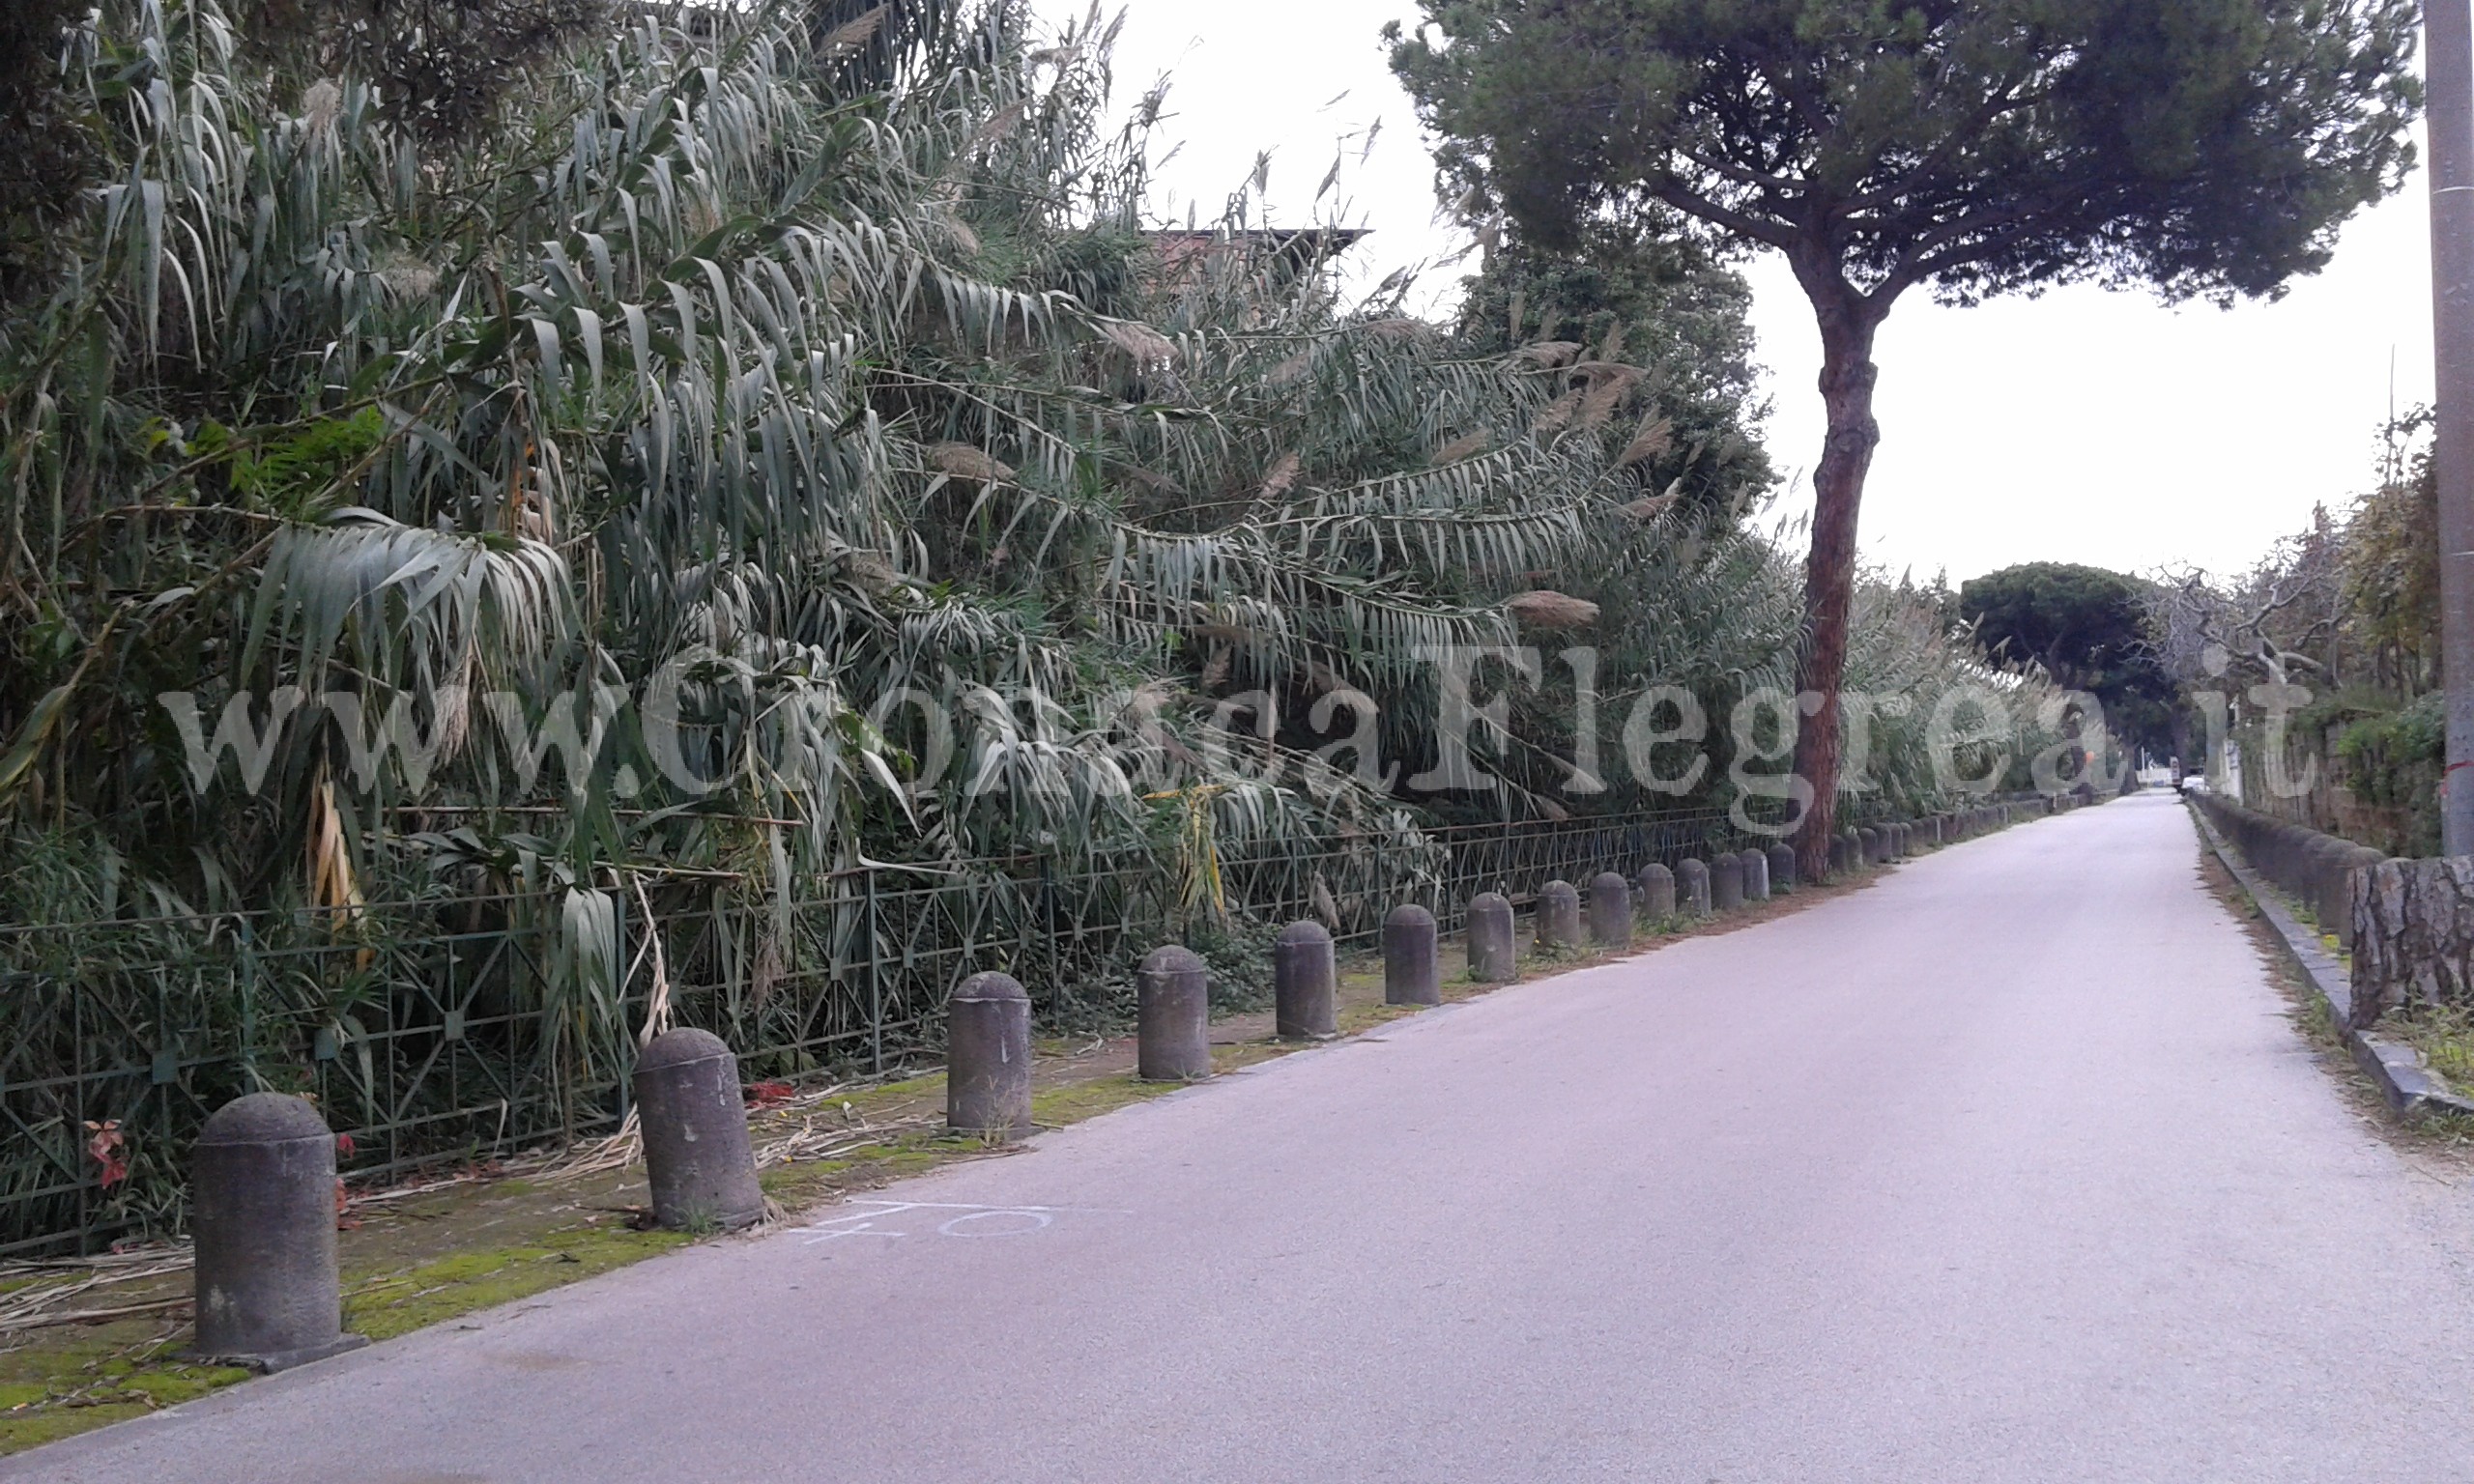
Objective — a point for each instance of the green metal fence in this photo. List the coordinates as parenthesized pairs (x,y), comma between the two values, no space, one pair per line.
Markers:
(464,1026)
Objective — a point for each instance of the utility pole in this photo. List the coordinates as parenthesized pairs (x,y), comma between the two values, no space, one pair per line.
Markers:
(2447,66)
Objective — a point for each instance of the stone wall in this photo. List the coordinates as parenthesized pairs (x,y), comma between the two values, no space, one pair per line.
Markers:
(2334,802)
(2323,871)
(2413,936)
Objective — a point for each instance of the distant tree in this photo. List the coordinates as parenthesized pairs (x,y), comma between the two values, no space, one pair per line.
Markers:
(1660,301)
(2204,148)
(2088,627)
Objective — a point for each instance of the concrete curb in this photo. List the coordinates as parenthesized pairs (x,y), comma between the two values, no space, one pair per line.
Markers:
(2396,1068)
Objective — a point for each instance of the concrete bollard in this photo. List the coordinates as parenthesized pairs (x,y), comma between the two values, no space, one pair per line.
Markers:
(694,1119)
(1305,980)
(1692,888)
(1559,915)
(1756,875)
(1726,883)
(1782,867)
(1658,892)
(1846,853)
(1410,974)
(1869,841)
(1899,837)
(1490,940)
(1610,910)
(1172,1016)
(262,1208)
(987,1057)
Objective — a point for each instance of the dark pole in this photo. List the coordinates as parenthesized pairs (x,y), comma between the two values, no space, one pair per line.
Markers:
(2448,50)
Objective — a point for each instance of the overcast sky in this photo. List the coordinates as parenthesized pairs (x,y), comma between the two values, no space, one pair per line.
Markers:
(2083,427)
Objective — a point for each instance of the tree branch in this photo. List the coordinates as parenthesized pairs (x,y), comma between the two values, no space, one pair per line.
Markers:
(1691,203)
(1777,185)
(2001,103)
(1946,246)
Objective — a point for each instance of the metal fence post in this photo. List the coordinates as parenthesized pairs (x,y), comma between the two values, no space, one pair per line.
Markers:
(875,981)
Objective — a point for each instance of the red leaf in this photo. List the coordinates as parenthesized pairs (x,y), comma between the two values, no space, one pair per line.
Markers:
(766,1095)
(103,1147)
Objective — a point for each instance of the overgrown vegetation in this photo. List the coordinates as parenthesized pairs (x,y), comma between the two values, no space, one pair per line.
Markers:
(2324,661)
(767,444)
(2088,629)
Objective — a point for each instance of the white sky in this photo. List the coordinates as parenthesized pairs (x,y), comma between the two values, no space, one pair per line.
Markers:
(2083,427)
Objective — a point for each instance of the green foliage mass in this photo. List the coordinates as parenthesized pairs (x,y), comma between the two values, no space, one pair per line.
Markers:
(1658,299)
(808,378)
(2385,749)
(46,152)
(2203,147)
(2389,573)
(833,378)
(2087,628)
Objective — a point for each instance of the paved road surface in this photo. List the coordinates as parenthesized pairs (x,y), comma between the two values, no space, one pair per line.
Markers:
(2008,1169)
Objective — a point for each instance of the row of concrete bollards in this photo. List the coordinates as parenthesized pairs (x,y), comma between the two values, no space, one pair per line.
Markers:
(268,1289)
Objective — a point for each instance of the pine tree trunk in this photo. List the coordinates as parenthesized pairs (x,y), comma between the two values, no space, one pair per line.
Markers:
(1847,377)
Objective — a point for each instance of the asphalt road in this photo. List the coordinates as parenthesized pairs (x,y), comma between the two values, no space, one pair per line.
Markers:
(2010,1168)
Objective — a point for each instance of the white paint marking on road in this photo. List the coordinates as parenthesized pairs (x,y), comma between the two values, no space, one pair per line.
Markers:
(1039,1220)
(970,1220)
(823,1232)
